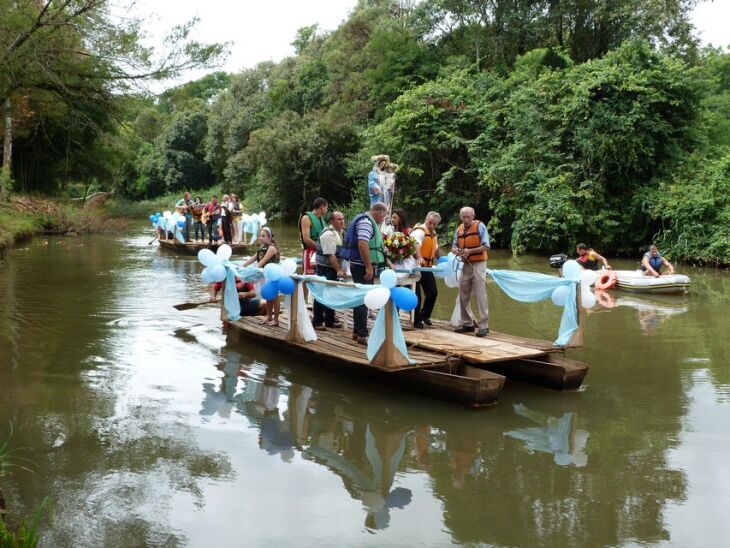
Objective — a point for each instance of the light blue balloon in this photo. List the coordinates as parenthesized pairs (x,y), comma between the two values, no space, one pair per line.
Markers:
(152,218)
(272,272)
(286,285)
(217,272)
(404,298)
(181,223)
(560,295)
(206,276)
(443,260)
(270,290)
(388,278)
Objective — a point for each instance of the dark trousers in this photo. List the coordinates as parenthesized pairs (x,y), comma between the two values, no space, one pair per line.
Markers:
(199,227)
(360,313)
(322,313)
(427,285)
(213,231)
(226,225)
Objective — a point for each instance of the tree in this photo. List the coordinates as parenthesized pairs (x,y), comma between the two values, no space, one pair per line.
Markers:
(73,54)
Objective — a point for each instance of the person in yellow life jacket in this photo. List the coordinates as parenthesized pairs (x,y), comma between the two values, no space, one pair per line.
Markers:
(427,249)
(311,225)
(471,245)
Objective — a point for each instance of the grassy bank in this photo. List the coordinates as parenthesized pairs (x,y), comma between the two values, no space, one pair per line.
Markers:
(23,216)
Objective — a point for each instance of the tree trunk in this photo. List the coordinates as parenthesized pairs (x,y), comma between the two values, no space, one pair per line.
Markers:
(8,138)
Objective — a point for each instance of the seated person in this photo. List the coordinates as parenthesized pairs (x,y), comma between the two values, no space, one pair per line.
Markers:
(250,304)
(652,262)
(588,258)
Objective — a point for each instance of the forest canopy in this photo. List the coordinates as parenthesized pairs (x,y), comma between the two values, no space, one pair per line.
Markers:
(557,120)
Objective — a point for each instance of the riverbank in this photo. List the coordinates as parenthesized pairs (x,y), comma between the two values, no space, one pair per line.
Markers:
(23,216)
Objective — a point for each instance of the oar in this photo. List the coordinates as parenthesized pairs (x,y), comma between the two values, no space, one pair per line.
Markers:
(188,306)
(153,239)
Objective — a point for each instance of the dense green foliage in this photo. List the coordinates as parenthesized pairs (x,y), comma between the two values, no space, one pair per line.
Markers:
(558,121)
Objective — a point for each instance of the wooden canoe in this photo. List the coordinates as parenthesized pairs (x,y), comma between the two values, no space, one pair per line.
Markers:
(435,375)
(192,248)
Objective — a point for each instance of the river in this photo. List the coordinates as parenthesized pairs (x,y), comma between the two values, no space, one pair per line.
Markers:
(139,429)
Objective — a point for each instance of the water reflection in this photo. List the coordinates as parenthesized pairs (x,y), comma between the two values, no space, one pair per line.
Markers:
(652,310)
(364,451)
(557,436)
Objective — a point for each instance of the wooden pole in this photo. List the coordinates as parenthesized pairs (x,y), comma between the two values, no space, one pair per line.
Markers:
(293,335)
(388,356)
(224,317)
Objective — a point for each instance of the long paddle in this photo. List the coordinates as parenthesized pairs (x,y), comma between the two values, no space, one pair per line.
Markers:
(188,306)
(153,239)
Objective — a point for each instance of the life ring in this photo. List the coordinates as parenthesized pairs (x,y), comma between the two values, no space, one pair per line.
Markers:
(606,280)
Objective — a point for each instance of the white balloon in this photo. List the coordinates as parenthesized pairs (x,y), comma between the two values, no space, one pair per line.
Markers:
(588,277)
(288,267)
(560,295)
(572,270)
(167,214)
(451,280)
(218,272)
(376,298)
(207,257)
(388,278)
(224,252)
(587,299)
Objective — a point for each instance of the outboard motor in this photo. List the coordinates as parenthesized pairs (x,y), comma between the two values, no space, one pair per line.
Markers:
(557,261)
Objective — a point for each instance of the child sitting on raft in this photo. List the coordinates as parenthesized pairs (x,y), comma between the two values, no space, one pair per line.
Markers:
(268,252)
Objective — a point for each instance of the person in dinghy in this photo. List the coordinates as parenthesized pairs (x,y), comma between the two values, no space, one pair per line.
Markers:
(652,262)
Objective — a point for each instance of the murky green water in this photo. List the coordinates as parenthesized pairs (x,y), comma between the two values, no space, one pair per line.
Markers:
(141,433)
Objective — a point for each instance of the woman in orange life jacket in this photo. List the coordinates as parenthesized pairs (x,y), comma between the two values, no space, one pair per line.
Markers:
(588,258)
(427,249)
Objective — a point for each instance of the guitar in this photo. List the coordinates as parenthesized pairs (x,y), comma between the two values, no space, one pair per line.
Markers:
(205,217)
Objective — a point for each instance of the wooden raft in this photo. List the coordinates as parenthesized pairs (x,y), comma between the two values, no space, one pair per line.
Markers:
(469,347)
(334,344)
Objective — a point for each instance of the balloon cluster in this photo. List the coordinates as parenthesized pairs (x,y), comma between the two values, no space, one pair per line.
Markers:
(573,271)
(253,223)
(215,270)
(278,279)
(167,221)
(450,268)
(403,297)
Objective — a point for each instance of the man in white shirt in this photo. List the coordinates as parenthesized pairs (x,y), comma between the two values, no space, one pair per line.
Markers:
(328,264)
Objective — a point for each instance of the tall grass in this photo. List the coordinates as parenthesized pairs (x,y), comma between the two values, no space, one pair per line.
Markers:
(25,535)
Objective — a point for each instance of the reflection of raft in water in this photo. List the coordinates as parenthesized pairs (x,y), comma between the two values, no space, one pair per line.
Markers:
(636,280)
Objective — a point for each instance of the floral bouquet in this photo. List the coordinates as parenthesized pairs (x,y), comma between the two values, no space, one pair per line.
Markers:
(399,247)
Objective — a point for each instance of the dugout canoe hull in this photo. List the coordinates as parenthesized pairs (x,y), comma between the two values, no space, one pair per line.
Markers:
(192,248)
(444,379)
